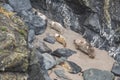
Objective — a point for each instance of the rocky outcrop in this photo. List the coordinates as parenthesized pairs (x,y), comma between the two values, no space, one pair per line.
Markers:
(16,60)
(21,59)
(96,20)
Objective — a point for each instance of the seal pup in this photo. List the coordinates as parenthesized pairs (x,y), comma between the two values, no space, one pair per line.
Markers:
(57,27)
(59,38)
(85,47)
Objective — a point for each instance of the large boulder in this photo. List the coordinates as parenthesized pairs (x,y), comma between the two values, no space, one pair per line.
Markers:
(20,5)
(96,74)
(116,69)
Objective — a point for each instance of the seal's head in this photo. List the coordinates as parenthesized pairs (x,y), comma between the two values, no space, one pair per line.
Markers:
(57,35)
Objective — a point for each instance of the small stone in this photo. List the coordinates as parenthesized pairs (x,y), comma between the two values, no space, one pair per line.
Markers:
(63,52)
(50,39)
(95,74)
(43,48)
(116,69)
(48,61)
(93,22)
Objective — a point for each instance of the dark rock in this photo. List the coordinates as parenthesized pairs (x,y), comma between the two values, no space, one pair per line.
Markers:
(74,67)
(39,24)
(48,61)
(88,34)
(35,72)
(50,39)
(43,48)
(36,22)
(31,35)
(61,75)
(95,74)
(117,55)
(94,5)
(36,68)
(20,5)
(115,10)
(8,7)
(92,22)
(115,52)
(63,52)
(116,69)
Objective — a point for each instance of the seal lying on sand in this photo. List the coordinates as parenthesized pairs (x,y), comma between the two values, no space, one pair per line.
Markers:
(71,67)
(57,27)
(85,47)
(59,38)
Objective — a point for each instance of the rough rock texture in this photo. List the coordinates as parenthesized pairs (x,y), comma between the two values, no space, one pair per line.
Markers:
(96,20)
(117,57)
(63,52)
(50,39)
(116,69)
(13,76)
(35,21)
(36,68)
(95,74)
(43,48)
(13,45)
(74,67)
(20,5)
(48,60)
(17,62)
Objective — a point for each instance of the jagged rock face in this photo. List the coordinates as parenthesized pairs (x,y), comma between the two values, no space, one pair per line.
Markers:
(13,45)
(17,62)
(96,20)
